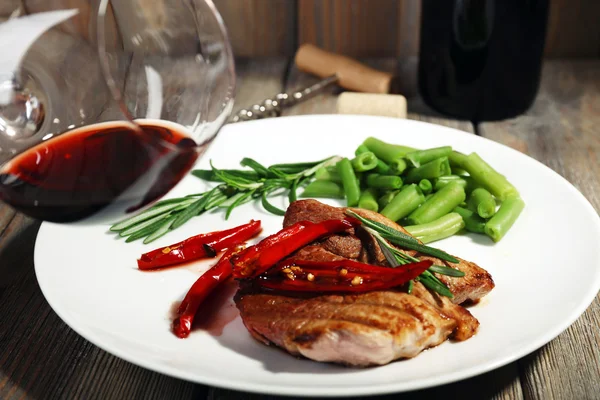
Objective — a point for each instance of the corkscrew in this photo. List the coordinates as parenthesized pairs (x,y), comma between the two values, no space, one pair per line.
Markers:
(333,69)
(274,106)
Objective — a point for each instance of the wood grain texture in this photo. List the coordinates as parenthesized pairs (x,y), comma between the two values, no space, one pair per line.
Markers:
(368,28)
(562,130)
(260,27)
(360,28)
(41,357)
(78,24)
(258,80)
(501,384)
(405,71)
(573,29)
(10,7)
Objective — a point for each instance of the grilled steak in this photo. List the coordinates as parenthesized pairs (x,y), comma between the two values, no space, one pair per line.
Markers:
(476,283)
(365,329)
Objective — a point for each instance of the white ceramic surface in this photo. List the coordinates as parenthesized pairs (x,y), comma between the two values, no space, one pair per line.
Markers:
(90,278)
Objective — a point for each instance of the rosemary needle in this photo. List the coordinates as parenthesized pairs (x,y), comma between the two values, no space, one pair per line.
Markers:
(235,188)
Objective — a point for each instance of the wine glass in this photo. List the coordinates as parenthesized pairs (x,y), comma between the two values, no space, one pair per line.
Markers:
(97,125)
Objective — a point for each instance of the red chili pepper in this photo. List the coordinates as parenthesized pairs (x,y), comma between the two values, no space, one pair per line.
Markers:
(357,277)
(199,246)
(182,325)
(258,258)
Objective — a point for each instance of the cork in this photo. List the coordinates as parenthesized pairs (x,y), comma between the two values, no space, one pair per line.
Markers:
(387,105)
(351,74)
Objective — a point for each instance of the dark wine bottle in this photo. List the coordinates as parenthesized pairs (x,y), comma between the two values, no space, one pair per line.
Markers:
(481,59)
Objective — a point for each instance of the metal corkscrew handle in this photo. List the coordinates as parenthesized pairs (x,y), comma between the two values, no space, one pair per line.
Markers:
(274,106)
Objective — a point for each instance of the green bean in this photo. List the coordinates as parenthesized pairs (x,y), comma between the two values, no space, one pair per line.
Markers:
(381,168)
(324,189)
(405,202)
(368,200)
(432,169)
(385,199)
(385,151)
(458,160)
(398,166)
(364,162)
(349,181)
(328,174)
(458,171)
(440,204)
(385,182)
(489,178)
(482,202)
(361,149)
(425,186)
(438,229)
(473,222)
(510,209)
(444,180)
(420,157)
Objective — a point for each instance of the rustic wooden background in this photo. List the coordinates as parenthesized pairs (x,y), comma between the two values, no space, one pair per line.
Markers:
(361,28)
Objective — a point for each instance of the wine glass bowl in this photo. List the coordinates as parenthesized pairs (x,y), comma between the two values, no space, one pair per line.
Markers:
(101,127)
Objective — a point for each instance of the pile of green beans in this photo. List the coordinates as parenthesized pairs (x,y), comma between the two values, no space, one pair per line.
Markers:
(434,193)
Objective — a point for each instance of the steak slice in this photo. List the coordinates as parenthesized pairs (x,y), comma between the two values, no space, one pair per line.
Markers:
(466,324)
(372,328)
(346,245)
(360,330)
(365,329)
(476,283)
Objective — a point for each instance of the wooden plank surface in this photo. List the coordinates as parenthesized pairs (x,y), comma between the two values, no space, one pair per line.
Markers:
(368,28)
(42,358)
(360,28)
(10,8)
(499,384)
(573,29)
(562,130)
(258,80)
(260,27)
(406,72)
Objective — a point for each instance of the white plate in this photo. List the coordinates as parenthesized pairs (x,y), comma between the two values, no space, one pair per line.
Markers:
(90,278)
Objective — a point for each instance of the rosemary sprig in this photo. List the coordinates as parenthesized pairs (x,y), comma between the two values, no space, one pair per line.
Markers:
(235,188)
(402,239)
(396,258)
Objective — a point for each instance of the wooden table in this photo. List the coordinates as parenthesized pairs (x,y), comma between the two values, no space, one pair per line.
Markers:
(41,357)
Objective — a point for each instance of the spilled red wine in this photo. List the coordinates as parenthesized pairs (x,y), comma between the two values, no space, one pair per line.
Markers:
(105,170)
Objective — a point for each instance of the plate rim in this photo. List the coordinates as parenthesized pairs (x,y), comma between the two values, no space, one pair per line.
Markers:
(379,389)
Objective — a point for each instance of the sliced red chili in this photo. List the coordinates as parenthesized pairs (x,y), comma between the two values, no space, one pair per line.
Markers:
(350,265)
(258,258)
(199,246)
(188,308)
(343,276)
